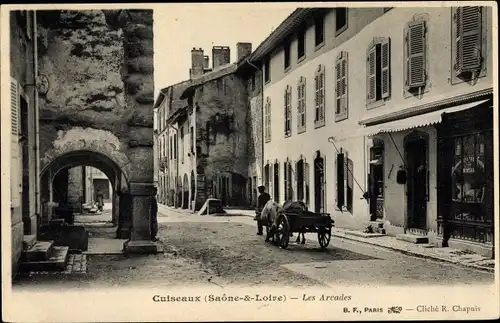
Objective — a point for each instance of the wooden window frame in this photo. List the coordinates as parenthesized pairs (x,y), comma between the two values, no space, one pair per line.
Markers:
(455,78)
(319,21)
(267,120)
(342,112)
(343,28)
(301,39)
(416,90)
(377,47)
(288,111)
(319,93)
(287,55)
(301,105)
(267,70)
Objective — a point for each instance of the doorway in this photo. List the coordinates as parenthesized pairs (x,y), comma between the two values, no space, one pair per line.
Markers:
(319,183)
(416,151)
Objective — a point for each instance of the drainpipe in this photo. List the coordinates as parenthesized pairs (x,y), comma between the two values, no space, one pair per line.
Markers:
(262,120)
(37,118)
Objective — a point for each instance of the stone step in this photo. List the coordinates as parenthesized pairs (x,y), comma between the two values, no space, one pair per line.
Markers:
(56,262)
(29,241)
(40,251)
(413,238)
(364,234)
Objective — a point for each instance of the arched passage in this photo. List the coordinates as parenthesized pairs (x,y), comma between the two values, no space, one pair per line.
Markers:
(193,187)
(55,173)
(185,192)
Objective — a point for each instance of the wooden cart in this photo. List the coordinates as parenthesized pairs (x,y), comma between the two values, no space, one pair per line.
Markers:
(303,222)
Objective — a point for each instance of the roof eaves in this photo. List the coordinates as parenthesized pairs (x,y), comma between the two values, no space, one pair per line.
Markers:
(279,34)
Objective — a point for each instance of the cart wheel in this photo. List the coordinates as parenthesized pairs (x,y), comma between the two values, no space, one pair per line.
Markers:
(324,238)
(283,232)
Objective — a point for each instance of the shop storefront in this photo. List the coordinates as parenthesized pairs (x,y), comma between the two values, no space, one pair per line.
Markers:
(465,177)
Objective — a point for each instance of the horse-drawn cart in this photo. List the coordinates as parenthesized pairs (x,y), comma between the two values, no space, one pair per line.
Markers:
(295,218)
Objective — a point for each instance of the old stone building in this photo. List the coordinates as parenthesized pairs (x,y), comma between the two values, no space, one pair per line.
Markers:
(94,107)
(204,130)
(24,151)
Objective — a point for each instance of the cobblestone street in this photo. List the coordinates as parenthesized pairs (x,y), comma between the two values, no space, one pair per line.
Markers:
(221,251)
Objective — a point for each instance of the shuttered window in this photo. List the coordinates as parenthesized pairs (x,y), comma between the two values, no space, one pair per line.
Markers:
(288,111)
(301,104)
(385,68)
(340,181)
(349,184)
(341,87)
(15,167)
(416,51)
(319,98)
(306,183)
(276,181)
(468,38)
(378,70)
(288,180)
(267,120)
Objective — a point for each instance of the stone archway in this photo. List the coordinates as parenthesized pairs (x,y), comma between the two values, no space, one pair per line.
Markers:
(100,103)
(54,170)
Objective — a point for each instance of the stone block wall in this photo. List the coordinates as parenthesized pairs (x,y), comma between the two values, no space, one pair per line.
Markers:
(221,131)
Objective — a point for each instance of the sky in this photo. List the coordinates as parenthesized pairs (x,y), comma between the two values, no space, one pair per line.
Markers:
(180,27)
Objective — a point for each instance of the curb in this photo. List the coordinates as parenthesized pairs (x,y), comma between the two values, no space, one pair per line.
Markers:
(418,255)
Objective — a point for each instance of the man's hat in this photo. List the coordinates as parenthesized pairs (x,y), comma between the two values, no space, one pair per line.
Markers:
(261,187)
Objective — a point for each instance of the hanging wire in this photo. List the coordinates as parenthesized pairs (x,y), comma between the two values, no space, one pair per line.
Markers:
(332,141)
(397,149)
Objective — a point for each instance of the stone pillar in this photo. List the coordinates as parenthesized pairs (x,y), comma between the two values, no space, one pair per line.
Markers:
(140,237)
(137,76)
(124,215)
(75,184)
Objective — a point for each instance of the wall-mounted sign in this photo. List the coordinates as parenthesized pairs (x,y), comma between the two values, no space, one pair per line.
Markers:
(42,84)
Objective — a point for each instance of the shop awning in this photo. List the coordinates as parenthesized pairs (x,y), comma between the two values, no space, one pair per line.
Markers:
(422,120)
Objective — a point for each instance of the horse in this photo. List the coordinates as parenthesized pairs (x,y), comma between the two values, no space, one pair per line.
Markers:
(269,216)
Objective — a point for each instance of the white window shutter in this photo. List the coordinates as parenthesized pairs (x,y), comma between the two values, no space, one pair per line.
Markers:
(371,75)
(15,167)
(338,86)
(322,94)
(304,105)
(385,62)
(468,39)
(344,67)
(285,105)
(269,118)
(416,50)
(316,97)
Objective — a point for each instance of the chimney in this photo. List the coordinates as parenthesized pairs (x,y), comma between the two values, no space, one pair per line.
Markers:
(243,50)
(197,62)
(206,61)
(220,56)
